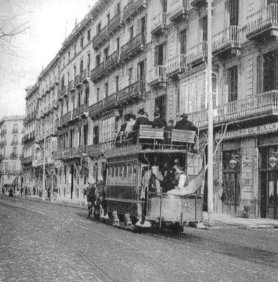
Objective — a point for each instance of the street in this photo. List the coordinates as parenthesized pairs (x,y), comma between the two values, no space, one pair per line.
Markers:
(40,241)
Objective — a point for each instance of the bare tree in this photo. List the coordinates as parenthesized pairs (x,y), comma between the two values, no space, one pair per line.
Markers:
(11,26)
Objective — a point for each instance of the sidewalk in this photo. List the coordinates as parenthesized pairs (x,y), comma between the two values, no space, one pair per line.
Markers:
(227,221)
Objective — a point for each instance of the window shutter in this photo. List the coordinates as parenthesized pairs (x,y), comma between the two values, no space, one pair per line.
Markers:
(156,56)
(138,26)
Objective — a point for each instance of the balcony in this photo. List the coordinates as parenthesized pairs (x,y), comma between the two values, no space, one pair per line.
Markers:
(65,92)
(197,54)
(133,8)
(14,143)
(157,75)
(98,72)
(100,38)
(158,23)
(65,119)
(198,3)
(263,24)
(85,76)
(75,114)
(95,109)
(175,65)
(114,24)
(83,111)
(178,9)
(78,81)
(110,102)
(131,92)
(3,143)
(60,95)
(112,61)
(133,47)
(15,131)
(227,41)
(99,149)
(71,86)
(13,156)
(3,132)
(254,107)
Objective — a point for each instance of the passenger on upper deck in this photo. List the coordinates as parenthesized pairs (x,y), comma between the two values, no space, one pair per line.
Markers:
(130,124)
(141,120)
(185,124)
(168,131)
(158,121)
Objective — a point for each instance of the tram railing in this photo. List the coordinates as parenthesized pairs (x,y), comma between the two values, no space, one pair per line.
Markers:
(156,138)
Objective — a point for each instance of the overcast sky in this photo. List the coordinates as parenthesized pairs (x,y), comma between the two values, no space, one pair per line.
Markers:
(48,22)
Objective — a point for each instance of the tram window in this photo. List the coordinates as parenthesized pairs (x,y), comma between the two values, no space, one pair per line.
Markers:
(120,171)
(130,173)
(125,171)
(112,168)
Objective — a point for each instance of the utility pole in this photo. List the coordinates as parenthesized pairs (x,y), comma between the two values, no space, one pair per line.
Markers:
(43,172)
(210,116)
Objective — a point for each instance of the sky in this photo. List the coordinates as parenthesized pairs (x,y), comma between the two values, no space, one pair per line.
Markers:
(46,23)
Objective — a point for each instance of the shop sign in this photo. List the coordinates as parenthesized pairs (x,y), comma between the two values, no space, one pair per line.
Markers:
(262,129)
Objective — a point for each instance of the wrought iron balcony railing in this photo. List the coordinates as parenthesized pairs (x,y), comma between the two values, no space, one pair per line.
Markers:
(178,9)
(114,24)
(261,105)
(227,39)
(100,38)
(132,8)
(85,76)
(157,74)
(98,72)
(262,21)
(196,54)
(175,65)
(133,47)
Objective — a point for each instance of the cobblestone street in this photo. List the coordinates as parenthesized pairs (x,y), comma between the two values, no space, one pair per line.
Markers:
(45,242)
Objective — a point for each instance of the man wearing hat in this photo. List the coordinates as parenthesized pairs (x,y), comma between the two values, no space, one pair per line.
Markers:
(141,120)
(185,124)
(158,121)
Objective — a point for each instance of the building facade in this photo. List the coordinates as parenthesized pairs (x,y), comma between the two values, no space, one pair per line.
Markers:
(11,133)
(127,55)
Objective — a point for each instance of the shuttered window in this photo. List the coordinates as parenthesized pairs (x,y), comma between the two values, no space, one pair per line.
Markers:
(232,84)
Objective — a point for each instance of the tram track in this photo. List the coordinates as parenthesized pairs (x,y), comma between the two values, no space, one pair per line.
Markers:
(228,246)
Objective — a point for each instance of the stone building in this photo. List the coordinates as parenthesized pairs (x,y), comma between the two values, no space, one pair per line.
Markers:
(11,133)
(151,54)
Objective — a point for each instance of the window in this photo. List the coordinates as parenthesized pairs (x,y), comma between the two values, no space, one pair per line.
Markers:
(82,42)
(108,18)
(204,28)
(118,44)
(131,33)
(68,56)
(106,89)
(233,12)
(183,41)
(87,93)
(108,129)
(96,135)
(79,136)
(74,49)
(98,98)
(67,105)
(15,128)
(270,70)
(88,62)
(130,75)
(6,167)
(117,83)
(14,165)
(79,99)
(71,138)
(15,138)
(232,84)
(97,60)
(89,35)
(14,150)
(81,66)
(117,8)
(159,55)
(98,28)
(85,134)
(106,53)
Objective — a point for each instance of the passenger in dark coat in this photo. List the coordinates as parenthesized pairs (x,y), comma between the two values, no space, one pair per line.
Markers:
(158,121)
(185,124)
(121,133)
(141,120)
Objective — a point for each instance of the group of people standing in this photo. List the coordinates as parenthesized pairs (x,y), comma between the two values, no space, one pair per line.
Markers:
(132,124)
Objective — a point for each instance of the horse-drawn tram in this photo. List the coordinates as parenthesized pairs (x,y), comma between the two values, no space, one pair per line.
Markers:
(154,180)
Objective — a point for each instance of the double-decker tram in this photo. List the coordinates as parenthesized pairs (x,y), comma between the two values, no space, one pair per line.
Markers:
(154,179)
